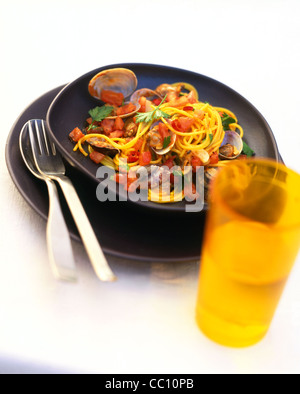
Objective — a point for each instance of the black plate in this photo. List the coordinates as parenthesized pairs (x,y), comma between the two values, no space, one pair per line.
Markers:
(124,230)
(70,108)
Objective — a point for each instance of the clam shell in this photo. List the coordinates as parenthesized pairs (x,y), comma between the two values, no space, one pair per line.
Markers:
(163,151)
(144,92)
(232,138)
(121,80)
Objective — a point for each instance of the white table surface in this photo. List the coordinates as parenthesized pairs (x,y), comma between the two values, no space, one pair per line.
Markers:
(143,323)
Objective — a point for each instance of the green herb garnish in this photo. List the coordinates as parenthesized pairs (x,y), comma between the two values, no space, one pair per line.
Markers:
(147,117)
(92,127)
(167,141)
(98,114)
(247,150)
(226,121)
(178,173)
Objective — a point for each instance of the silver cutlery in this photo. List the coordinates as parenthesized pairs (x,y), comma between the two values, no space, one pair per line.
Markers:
(49,163)
(57,234)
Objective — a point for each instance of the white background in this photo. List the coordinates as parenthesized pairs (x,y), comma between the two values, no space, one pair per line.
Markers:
(144,323)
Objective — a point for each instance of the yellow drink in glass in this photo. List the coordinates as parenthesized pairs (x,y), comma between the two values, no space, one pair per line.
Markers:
(252,238)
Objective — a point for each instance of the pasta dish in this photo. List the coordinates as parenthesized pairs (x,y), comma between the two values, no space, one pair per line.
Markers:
(165,128)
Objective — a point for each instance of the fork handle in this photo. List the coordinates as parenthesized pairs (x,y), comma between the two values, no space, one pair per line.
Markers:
(58,238)
(85,229)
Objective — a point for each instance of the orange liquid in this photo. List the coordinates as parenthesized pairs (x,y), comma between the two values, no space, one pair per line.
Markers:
(244,268)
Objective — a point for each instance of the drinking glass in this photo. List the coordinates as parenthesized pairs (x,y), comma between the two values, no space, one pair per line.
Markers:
(252,237)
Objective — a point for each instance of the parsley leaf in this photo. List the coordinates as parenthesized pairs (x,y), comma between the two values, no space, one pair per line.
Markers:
(160,114)
(226,121)
(92,127)
(144,117)
(147,117)
(99,113)
(178,173)
(247,150)
(167,141)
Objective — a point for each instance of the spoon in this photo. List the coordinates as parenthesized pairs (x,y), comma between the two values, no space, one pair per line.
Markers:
(58,239)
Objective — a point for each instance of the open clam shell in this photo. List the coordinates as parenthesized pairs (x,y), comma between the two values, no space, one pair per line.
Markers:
(162,151)
(148,94)
(144,92)
(120,80)
(232,146)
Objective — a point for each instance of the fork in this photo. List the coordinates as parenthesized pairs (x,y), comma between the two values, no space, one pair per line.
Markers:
(61,258)
(49,162)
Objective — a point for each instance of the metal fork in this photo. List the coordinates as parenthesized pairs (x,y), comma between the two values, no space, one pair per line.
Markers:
(58,239)
(49,162)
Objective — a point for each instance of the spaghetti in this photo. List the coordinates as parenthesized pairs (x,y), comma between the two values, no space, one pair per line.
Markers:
(178,130)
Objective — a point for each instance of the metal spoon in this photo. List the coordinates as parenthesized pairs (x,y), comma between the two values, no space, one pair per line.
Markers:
(58,239)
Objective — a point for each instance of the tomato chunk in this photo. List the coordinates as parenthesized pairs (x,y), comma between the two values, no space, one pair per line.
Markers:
(119,124)
(138,144)
(112,98)
(145,158)
(142,102)
(116,134)
(188,108)
(182,124)
(76,134)
(196,162)
(156,101)
(163,131)
(133,157)
(126,109)
(97,157)
(107,125)
(214,158)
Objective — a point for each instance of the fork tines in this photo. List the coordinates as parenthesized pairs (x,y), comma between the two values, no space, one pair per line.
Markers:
(38,132)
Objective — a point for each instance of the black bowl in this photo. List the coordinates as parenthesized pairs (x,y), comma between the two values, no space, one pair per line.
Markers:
(70,109)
